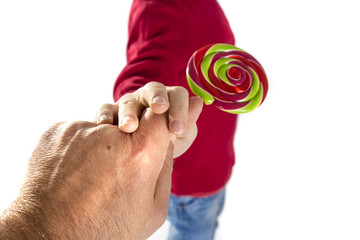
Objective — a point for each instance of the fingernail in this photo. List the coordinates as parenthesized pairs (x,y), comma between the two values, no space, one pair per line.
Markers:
(103,118)
(127,120)
(177,126)
(159,100)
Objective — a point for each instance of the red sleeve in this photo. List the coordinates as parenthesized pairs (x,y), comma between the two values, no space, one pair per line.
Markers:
(163,34)
(151,49)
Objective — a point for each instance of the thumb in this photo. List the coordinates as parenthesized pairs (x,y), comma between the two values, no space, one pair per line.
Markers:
(154,127)
(153,138)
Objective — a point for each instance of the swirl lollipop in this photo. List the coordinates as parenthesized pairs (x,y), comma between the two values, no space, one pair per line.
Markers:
(227,76)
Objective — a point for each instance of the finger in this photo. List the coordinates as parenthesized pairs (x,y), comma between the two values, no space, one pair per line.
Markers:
(183,141)
(155,96)
(129,111)
(178,110)
(107,114)
(163,186)
(195,108)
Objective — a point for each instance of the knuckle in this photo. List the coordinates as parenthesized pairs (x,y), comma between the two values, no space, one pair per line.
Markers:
(128,106)
(105,108)
(126,98)
(77,126)
(56,126)
(128,102)
(180,90)
(155,87)
(54,130)
(65,131)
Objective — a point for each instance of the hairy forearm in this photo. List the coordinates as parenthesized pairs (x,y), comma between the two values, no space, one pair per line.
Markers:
(27,218)
(16,223)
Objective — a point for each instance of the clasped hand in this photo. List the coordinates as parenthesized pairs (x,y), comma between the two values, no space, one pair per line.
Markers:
(182,112)
(89,181)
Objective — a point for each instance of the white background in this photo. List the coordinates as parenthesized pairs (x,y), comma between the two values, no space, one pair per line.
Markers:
(297,172)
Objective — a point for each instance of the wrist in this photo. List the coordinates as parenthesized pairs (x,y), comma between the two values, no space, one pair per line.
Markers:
(21,223)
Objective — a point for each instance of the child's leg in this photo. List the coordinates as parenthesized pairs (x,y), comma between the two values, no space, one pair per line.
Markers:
(194,218)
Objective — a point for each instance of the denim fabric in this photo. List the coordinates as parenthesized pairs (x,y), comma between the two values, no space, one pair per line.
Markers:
(194,218)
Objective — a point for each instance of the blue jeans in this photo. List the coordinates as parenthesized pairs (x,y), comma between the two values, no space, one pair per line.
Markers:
(194,218)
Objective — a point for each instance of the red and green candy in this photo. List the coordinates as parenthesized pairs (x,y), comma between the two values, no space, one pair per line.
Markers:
(228,77)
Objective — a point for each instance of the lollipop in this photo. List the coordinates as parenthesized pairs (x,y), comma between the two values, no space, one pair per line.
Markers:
(228,77)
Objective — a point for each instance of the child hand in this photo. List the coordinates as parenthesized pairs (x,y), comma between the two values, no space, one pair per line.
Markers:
(182,112)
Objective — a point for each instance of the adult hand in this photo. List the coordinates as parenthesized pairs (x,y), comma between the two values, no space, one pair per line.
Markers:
(182,111)
(94,182)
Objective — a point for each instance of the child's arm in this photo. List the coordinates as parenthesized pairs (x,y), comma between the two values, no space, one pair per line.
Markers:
(155,56)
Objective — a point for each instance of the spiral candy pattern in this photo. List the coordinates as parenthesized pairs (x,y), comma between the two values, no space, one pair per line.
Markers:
(228,77)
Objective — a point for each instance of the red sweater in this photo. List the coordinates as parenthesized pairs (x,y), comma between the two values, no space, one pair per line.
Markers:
(163,34)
